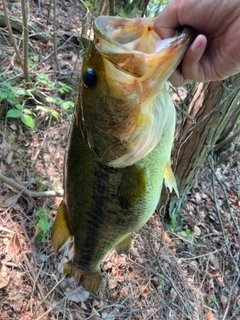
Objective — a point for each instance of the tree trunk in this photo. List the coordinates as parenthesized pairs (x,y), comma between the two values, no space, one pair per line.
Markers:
(213,105)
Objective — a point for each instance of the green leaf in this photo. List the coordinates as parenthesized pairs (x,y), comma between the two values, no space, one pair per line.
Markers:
(43,224)
(183,233)
(50,99)
(69,117)
(22,92)
(55,114)
(18,106)
(3,95)
(161,282)
(59,101)
(28,111)
(67,104)
(42,108)
(64,86)
(14,113)
(6,85)
(28,121)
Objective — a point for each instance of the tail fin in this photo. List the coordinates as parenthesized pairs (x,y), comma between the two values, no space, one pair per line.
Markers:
(90,282)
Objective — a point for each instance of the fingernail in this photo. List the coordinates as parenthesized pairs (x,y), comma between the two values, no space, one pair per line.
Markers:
(196,44)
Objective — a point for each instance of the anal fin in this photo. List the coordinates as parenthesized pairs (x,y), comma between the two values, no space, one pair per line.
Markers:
(90,282)
(61,230)
(124,245)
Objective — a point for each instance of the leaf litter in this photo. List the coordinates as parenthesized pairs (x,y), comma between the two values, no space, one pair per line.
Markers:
(185,271)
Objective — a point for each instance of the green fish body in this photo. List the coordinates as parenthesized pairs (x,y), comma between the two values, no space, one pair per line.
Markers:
(119,144)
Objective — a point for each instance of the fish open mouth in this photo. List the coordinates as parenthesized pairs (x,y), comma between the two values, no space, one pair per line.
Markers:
(137,64)
(116,37)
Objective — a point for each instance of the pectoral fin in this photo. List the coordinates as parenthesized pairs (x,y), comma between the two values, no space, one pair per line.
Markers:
(90,282)
(133,187)
(61,230)
(169,179)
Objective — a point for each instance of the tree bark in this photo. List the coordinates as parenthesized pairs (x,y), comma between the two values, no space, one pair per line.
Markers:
(212,106)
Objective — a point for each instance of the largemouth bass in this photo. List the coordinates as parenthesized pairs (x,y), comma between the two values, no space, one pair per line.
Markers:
(119,144)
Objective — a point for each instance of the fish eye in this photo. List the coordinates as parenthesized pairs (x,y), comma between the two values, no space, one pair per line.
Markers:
(89,78)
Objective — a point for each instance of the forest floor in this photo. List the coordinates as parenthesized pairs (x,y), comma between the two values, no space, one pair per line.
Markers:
(187,268)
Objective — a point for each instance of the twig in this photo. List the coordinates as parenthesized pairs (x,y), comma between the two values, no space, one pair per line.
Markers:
(43,60)
(55,34)
(179,293)
(25,43)
(215,200)
(28,193)
(57,284)
(226,198)
(227,140)
(11,34)
(219,217)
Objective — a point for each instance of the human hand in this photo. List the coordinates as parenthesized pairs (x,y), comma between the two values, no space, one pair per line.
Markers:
(215,52)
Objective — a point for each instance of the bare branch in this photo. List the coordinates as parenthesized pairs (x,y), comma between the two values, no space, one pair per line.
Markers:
(28,193)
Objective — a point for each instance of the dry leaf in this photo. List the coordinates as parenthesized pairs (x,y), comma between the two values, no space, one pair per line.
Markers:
(108,266)
(78,295)
(112,283)
(111,315)
(9,157)
(83,306)
(12,200)
(145,292)
(16,300)
(27,316)
(209,205)
(4,278)
(124,292)
(14,246)
(224,300)
(37,232)
(197,231)
(211,316)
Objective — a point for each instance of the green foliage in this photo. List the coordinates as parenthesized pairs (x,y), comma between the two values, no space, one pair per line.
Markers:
(161,282)
(156,6)
(187,233)
(13,96)
(62,88)
(15,99)
(33,59)
(43,216)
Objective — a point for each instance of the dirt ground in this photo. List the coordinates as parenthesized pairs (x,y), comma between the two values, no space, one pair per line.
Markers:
(187,269)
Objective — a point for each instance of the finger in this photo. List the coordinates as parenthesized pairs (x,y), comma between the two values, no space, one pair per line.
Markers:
(177,79)
(191,64)
(167,21)
(191,68)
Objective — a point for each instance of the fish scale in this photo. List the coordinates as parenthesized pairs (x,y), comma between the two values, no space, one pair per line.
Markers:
(119,146)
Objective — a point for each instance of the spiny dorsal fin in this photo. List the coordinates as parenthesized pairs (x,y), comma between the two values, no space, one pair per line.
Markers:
(61,230)
(169,179)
